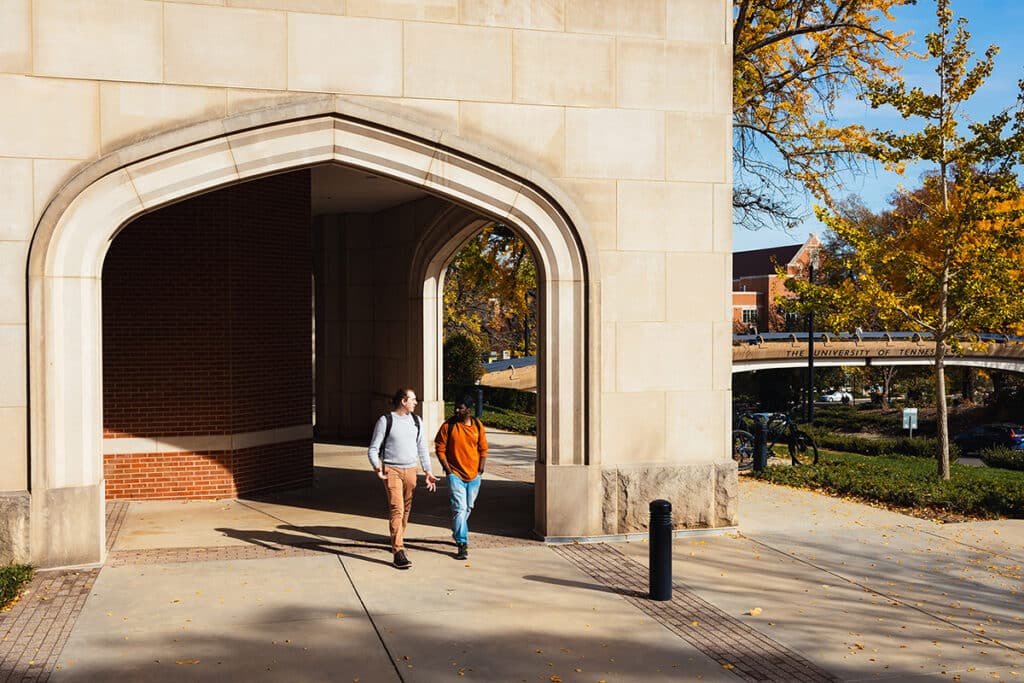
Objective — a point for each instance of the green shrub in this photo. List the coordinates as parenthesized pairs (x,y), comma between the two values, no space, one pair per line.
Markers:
(12,578)
(1003,457)
(509,421)
(916,447)
(499,418)
(909,483)
(510,399)
(847,418)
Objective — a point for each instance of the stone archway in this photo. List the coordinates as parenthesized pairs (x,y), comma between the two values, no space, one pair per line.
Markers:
(72,238)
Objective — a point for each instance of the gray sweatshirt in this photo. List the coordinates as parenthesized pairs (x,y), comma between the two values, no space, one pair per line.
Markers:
(403,446)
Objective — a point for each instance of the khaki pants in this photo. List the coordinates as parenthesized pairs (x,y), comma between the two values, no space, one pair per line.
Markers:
(399,488)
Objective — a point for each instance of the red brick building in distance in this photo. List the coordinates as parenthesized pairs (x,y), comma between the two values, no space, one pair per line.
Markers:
(756,288)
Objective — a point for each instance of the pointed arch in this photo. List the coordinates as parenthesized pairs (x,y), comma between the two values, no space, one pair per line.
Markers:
(72,238)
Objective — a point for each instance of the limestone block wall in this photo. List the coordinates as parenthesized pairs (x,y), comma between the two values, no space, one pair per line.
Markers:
(207,390)
(362,293)
(623,107)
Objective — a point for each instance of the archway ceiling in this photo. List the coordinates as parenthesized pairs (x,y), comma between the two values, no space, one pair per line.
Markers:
(340,189)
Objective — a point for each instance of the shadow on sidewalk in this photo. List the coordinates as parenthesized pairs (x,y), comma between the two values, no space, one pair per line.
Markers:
(504,508)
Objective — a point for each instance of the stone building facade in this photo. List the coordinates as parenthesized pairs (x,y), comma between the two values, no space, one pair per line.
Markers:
(191,187)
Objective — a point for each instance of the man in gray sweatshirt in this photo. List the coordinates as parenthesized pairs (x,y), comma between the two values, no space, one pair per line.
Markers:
(398,442)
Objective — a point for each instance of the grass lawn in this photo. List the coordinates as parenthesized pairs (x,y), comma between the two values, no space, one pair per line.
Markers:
(12,578)
(910,485)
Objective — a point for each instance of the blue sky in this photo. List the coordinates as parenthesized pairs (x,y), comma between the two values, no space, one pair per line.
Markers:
(996,22)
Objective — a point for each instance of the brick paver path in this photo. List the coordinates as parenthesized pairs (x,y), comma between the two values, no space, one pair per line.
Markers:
(736,646)
(117,511)
(34,630)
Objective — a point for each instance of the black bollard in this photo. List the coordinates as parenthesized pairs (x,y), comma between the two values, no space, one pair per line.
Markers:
(660,541)
(760,444)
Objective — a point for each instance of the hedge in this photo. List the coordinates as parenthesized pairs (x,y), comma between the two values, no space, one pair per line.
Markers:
(499,418)
(915,447)
(854,419)
(909,483)
(1002,457)
(509,399)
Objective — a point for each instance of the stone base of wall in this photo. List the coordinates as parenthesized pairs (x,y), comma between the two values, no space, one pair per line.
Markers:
(67,526)
(703,495)
(15,508)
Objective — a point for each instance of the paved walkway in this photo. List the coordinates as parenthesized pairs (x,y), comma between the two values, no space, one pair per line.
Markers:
(300,587)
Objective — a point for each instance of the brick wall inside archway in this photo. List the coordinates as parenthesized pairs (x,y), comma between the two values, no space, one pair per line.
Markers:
(207,382)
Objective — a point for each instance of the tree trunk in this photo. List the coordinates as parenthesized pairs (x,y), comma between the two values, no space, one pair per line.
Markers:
(941,411)
(887,376)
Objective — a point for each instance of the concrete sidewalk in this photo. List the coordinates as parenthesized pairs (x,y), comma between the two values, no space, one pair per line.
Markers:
(838,591)
(866,593)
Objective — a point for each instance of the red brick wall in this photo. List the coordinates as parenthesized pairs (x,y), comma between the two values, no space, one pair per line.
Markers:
(206,331)
(169,475)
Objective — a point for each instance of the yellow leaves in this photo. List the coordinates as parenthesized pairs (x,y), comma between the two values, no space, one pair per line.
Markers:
(787,83)
(187,662)
(754,611)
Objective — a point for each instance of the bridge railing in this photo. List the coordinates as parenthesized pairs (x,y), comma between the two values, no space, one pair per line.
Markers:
(828,337)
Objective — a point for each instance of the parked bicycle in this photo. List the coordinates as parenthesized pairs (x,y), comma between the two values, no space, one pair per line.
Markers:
(779,428)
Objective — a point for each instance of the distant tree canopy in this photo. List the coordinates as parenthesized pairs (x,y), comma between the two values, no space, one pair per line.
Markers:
(792,62)
(490,292)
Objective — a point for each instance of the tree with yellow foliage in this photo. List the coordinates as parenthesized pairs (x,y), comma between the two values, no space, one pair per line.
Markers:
(490,292)
(792,62)
(946,258)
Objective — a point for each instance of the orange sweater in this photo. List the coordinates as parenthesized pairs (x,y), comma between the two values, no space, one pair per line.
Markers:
(464,450)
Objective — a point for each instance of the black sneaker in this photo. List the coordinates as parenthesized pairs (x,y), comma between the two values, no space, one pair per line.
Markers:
(401,561)
(463,552)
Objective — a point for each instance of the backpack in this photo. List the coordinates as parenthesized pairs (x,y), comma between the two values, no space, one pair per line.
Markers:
(387,433)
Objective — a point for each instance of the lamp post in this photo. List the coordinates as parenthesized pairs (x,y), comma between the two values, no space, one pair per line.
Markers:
(812,263)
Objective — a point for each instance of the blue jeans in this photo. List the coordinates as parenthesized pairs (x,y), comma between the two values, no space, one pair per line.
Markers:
(462,497)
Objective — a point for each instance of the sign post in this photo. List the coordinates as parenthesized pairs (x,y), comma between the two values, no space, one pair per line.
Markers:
(910,419)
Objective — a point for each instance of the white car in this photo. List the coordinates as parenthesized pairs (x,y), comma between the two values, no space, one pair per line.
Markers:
(837,397)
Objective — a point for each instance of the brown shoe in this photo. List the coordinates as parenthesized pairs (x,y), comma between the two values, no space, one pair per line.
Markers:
(401,561)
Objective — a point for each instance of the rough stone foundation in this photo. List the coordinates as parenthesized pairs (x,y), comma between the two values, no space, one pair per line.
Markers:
(14,516)
(703,495)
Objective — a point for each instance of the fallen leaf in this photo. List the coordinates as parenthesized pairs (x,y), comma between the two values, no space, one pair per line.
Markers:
(187,661)
(754,611)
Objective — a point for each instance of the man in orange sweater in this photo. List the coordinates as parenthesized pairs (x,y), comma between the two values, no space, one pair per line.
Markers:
(461,447)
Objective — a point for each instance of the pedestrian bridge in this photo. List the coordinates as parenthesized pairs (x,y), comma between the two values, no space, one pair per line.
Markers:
(789,350)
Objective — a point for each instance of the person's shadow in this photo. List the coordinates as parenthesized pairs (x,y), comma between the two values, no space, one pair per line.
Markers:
(335,540)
